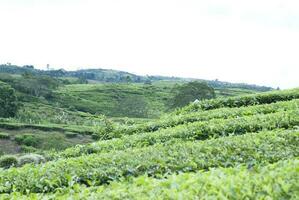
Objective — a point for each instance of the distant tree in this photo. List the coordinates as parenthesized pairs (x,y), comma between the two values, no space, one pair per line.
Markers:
(82,80)
(8,101)
(189,92)
(128,79)
(148,82)
(29,66)
(36,85)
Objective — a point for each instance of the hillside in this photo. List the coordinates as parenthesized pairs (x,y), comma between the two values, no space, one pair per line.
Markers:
(114,76)
(57,111)
(106,92)
(225,148)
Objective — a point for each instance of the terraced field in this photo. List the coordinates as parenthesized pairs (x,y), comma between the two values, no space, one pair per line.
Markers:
(243,147)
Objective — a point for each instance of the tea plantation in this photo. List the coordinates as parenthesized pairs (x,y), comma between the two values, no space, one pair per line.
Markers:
(241,147)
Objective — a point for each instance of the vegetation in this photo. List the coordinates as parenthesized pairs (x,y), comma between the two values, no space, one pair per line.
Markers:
(98,134)
(239,101)
(274,181)
(30,158)
(8,101)
(196,131)
(4,136)
(108,92)
(189,92)
(103,75)
(8,161)
(171,120)
(155,161)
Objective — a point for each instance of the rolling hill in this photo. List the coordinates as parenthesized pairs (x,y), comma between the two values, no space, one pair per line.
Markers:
(242,147)
(59,109)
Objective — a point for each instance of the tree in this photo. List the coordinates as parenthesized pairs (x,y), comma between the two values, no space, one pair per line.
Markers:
(189,92)
(39,86)
(128,79)
(8,101)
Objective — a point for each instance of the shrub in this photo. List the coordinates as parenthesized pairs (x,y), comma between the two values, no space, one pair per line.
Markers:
(71,134)
(4,136)
(28,140)
(8,161)
(27,149)
(95,136)
(30,158)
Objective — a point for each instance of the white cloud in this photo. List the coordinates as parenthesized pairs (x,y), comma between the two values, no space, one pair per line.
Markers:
(240,41)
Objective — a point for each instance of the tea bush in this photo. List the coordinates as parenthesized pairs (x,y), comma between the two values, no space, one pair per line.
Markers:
(4,136)
(156,161)
(28,140)
(8,161)
(30,158)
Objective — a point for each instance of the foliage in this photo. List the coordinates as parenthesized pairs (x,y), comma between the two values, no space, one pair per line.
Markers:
(159,160)
(189,92)
(190,132)
(36,85)
(28,140)
(173,157)
(47,127)
(4,136)
(30,158)
(273,181)
(115,100)
(107,75)
(239,101)
(8,101)
(172,120)
(28,149)
(8,161)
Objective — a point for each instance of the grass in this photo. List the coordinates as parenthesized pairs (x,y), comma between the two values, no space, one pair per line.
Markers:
(125,100)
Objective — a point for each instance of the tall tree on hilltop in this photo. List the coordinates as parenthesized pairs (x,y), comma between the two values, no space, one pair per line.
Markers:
(189,92)
(8,101)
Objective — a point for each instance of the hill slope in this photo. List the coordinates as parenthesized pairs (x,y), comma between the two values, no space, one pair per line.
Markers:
(114,76)
(200,152)
(109,92)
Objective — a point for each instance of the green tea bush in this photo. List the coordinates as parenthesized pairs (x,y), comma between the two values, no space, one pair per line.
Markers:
(27,149)
(30,158)
(95,136)
(4,136)
(159,160)
(8,161)
(273,181)
(28,140)
(172,120)
(239,101)
(191,131)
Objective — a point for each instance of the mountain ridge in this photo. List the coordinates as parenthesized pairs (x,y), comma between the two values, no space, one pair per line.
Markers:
(117,76)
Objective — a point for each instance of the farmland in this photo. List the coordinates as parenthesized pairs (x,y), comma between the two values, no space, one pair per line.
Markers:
(149,100)
(207,145)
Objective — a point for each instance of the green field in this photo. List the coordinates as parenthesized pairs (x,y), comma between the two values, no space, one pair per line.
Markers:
(125,100)
(241,147)
(104,134)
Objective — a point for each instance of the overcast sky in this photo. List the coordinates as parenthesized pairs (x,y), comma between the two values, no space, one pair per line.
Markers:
(254,41)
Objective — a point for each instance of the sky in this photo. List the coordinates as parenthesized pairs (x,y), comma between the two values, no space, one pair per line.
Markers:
(254,41)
